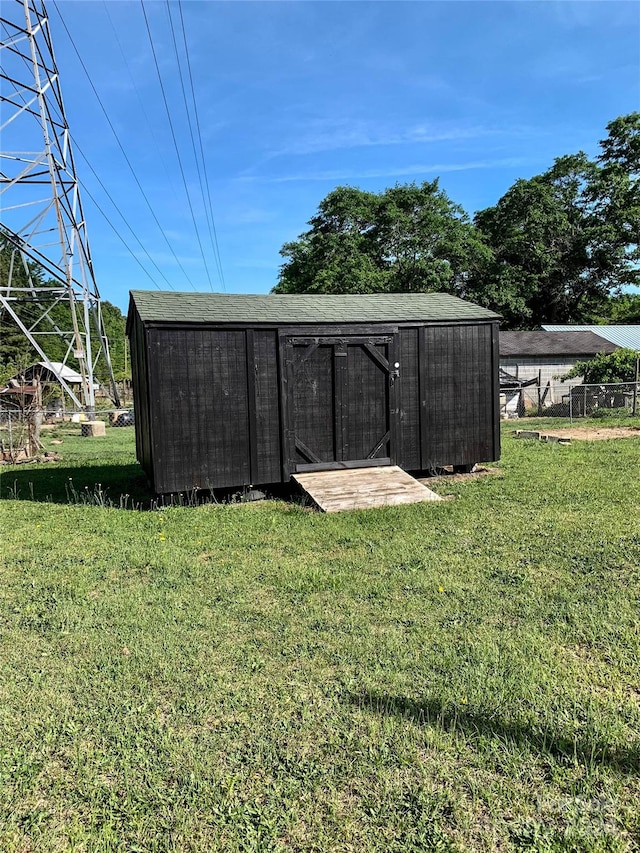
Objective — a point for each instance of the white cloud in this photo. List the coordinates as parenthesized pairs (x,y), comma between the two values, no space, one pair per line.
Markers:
(333,135)
(392,172)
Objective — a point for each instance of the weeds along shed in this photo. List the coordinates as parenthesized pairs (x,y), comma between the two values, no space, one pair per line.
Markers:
(232,390)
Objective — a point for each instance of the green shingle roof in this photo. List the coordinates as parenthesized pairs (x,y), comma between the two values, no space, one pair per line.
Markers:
(278,309)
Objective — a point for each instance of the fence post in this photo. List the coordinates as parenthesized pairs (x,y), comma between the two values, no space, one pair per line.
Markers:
(635,389)
(570,404)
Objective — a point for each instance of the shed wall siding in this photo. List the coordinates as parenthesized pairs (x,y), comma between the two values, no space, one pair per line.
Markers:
(408,450)
(138,348)
(267,392)
(200,420)
(457,396)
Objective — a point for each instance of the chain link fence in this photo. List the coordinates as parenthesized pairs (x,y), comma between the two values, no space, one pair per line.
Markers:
(22,427)
(564,400)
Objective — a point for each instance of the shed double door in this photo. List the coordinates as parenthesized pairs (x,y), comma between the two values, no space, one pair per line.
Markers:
(340,402)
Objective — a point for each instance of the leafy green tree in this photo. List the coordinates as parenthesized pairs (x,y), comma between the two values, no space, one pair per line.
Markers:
(408,238)
(626,309)
(564,241)
(115,323)
(621,147)
(623,308)
(548,261)
(616,196)
(619,366)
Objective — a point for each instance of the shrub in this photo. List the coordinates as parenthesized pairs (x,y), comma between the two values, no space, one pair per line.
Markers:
(620,366)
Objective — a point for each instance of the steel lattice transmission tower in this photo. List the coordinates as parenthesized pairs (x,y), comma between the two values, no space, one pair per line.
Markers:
(43,221)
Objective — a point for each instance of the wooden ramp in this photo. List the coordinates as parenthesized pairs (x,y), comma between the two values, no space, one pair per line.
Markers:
(363,488)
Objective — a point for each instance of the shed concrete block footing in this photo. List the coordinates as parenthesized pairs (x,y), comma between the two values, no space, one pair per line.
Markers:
(94,428)
(527,433)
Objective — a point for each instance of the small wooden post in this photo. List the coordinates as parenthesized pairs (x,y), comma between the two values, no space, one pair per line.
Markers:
(635,388)
(539,393)
(34,419)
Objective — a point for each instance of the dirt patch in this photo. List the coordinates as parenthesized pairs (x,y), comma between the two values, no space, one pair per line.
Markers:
(594,434)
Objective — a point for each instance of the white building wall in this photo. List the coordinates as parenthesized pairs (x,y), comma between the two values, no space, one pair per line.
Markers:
(551,370)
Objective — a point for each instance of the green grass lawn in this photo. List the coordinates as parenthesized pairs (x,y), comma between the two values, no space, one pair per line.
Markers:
(260,677)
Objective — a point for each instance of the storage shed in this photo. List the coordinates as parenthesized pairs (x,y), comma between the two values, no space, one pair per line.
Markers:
(232,390)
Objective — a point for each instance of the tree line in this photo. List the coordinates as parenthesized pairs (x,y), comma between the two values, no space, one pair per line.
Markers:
(560,247)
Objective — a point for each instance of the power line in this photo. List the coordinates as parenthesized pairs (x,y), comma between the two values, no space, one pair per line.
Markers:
(213,232)
(123,217)
(134,86)
(175,143)
(124,242)
(207,208)
(124,154)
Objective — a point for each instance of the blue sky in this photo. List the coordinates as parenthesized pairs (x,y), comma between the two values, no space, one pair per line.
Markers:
(295,98)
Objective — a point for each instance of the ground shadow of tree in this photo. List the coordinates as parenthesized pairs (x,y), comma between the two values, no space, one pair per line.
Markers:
(544,740)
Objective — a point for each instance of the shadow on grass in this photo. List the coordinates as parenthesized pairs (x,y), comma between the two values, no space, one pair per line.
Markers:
(120,486)
(473,724)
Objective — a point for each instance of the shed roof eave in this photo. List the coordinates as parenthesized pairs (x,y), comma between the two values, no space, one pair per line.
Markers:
(289,325)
